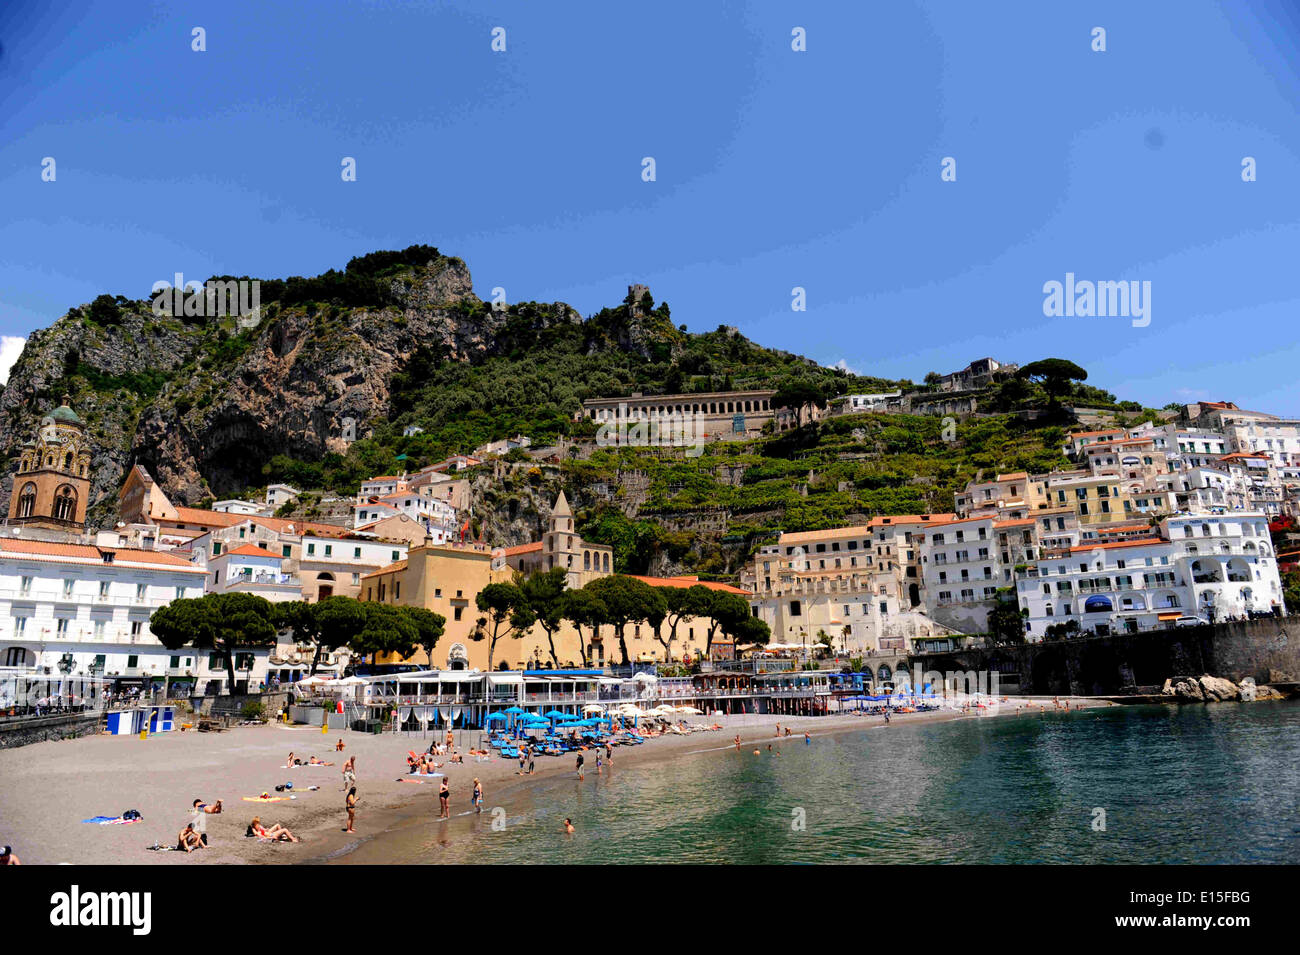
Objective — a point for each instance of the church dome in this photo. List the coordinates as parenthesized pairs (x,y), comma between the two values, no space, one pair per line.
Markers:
(65,415)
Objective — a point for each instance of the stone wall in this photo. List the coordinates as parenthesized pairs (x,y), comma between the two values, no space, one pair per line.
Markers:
(1105,666)
(38,729)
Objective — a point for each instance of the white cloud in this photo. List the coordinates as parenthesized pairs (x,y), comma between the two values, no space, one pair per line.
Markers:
(843,366)
(11,346)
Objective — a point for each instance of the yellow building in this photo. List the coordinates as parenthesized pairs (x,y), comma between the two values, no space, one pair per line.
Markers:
(447,578)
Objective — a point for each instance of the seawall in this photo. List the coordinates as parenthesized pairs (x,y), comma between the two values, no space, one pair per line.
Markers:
(1133,662)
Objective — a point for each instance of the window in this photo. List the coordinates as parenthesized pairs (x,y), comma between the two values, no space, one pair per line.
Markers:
(180,593)
(216,548)
(25,588)
(62,628)
(67,587)
(285,550)
(356,553)
(311,550)
(397,555)
(329,550)
(456,612)
(103,589)
(20,626)
(99,629)
(356,579)
(140,590)
(796,608)
(136,627)
(132,661)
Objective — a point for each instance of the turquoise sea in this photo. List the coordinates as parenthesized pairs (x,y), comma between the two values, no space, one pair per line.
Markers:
(1192,784)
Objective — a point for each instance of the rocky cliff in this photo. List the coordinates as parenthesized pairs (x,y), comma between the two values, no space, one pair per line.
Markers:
(203,405)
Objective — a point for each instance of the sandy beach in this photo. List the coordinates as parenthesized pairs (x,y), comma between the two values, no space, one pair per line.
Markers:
(50,787)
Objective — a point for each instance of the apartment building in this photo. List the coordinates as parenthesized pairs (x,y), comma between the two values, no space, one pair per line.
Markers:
(1212,567)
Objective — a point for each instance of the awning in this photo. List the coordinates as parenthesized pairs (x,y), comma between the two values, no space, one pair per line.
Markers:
(1169,616)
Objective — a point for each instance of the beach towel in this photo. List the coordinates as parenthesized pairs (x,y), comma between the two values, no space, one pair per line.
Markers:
(268,798)
(111,820)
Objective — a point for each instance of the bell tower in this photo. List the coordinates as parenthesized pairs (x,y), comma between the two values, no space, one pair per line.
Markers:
(53,478)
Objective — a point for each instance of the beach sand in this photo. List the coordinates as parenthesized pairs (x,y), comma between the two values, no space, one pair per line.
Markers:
(50,787)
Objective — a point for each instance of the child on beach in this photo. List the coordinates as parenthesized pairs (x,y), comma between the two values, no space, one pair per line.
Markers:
(599,764)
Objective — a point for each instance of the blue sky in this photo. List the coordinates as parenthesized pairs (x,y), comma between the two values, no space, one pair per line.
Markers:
(775,168)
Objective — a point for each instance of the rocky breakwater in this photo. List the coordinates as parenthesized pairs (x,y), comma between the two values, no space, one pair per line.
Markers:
(1214,689)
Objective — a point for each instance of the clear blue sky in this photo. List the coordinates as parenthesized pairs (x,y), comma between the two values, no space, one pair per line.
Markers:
(775,168)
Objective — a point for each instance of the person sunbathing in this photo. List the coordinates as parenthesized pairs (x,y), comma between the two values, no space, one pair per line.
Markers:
(293,761)
(212,809)
(188,839)
(317,762)
(276,833)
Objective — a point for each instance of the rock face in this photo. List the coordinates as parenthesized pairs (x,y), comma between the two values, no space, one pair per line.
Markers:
(1202,689)
(203,407)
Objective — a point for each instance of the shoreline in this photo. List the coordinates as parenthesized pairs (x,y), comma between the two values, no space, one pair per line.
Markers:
(50,787)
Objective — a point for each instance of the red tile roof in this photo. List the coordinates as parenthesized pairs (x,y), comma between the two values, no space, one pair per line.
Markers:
(248,550)
(523,548)
(690,582)
(12,547)
(1136,542)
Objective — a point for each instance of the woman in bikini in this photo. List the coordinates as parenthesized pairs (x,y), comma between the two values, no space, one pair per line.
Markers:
(477,799)
(444,796)
(276,833)
(351,804)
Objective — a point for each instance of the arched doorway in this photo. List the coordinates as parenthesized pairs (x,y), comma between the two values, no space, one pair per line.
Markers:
(457,657)
(324,585)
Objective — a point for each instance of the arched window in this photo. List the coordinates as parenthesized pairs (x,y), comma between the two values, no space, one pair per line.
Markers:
(586,560)
(27,500)
(65,504)
(67,461)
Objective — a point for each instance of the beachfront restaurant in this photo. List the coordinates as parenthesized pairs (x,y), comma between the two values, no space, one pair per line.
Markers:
(796,693)
(462,699)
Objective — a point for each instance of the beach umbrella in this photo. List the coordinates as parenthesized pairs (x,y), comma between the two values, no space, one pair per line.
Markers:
(593,708)
(557,715)
(515,711)
(498,718)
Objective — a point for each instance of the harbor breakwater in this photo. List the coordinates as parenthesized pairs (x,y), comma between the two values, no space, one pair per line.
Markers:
(1266,649)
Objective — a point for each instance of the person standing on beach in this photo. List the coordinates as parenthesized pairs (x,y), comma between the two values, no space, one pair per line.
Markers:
(600,766)
(444,797)
(737,742)
(350,773)
(532,759)
(523,758)
(351,804)
(476,800)
(609,754)
(579,767)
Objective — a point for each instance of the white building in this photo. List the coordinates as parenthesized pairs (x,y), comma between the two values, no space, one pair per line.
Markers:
(1208,566)
(254,570)
(88,607)
(238,507)
(278,494)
